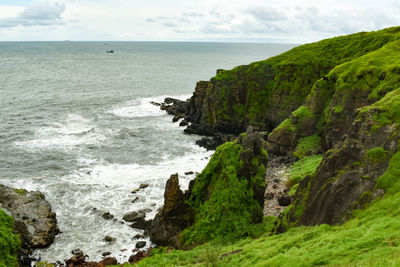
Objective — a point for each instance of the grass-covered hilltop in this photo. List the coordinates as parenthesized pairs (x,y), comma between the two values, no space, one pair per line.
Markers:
(332,109)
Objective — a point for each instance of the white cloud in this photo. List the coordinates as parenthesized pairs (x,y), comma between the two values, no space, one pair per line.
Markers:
(36,13)
(289,20)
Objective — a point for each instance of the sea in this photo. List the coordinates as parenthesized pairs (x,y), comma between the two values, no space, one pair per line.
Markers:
(76,123)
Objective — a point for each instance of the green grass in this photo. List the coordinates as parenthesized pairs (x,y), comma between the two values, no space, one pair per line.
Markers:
(9,242)
(308,146)
(302,168)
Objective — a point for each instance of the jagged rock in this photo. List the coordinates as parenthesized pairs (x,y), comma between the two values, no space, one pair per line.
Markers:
(155,103)
(109,239)
(140,244)
(175,216)
(178,117)
(132,216)
(107,253)
(184,122)
(33,219)
(137,236)
(142,186)
(107,216)
(140,223)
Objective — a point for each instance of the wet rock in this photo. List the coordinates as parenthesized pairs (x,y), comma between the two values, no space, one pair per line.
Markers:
(33,219)
(107,216)
(155,103)
(183,123)
(135,199)
(189,173)
(140,223)
(135,191)
(284,200)
(178,117)
(107,253)
(140,244)
(77,260)
(138,256)
(136,215)
(109,239)
(107,261)
(142,186)
(138,236)
(76,251)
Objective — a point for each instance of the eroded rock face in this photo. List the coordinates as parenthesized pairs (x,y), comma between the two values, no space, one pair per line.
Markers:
(174,217)
(33,219)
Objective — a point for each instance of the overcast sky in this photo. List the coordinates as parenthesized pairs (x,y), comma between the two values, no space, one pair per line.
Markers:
(289,21)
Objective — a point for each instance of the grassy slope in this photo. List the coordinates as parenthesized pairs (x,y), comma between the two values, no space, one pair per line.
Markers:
(371,238)
(9,242)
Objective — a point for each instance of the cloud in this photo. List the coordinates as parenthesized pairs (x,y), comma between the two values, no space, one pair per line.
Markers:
(36,13)
(170,24)
(266,14)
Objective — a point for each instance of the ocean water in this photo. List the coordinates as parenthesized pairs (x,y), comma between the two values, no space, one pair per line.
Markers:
(76,124)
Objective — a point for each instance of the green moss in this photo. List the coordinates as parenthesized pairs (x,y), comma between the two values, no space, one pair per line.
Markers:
(286,125)
(9,242)
(302,168)
(377,154)
(223,201)
(390,180)
(302,112)
(338,109)
(21,191)
(308,146)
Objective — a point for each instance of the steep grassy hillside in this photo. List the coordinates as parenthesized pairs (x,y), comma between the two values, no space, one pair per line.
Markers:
(333,107)
(9,242)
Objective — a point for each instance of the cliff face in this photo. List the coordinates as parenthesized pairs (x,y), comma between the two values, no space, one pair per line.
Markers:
(265,93)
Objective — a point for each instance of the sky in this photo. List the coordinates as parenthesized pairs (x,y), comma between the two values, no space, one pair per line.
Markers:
(266,21)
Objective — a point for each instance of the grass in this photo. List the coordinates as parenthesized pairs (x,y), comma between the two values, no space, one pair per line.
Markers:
(371,238)
(307,146)
(9,242)
(302,168)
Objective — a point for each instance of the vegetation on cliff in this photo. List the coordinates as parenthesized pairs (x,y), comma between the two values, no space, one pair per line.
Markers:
(224,200)
(334,108)
(9,242)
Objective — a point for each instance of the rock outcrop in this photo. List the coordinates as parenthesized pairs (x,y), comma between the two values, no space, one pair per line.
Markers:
(174,216)
(33,219)
(225,200)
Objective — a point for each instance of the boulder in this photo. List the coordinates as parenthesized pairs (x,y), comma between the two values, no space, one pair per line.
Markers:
(140,244)
(33,219)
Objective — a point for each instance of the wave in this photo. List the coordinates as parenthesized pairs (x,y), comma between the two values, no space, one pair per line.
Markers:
(141,107)
(73,132)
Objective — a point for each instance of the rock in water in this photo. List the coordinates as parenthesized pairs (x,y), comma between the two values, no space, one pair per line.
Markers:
(175,216)
(33,219)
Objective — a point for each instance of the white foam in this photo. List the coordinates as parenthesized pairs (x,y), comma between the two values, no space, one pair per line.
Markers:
(141,107)
(73,132)
(107,187)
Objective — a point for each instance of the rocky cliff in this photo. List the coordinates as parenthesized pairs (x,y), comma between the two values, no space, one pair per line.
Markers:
(333,103)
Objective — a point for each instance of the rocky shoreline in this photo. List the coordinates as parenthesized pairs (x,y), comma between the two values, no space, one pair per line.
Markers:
(34,220)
